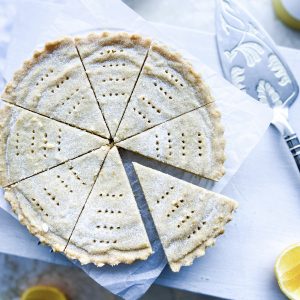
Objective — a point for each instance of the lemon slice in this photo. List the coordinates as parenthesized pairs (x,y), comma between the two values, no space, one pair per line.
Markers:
(287,270)
(43,293)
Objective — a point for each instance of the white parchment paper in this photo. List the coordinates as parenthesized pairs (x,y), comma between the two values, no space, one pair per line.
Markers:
(244,119)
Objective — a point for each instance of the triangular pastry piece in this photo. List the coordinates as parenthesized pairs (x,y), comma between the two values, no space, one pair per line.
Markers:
(110,229)
(53,83)
(31,143)
(188,218)
(167,87)
(113,62)
(193,142)
(50,203)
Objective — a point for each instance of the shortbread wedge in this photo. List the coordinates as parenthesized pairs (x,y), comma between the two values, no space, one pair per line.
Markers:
(110,229)
(113,62)
(188,218)
(50,203)
(53,83)
(193,142)
(167,87)
(31,143)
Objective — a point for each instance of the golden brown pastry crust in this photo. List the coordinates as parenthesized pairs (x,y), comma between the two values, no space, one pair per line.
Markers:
(218,141)
(48,238)
(113,257)
(112,38)
(5,115)
(8,93)
(185,68)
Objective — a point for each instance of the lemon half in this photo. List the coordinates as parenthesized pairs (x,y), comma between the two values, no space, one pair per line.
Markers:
(43,293)
(287,270)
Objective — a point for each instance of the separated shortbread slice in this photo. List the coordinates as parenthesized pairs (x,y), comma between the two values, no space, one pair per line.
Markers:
(188,218)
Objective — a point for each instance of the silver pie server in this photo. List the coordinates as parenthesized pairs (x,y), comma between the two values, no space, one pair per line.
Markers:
(251,62)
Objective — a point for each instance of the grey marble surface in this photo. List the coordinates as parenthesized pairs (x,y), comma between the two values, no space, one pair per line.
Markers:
(16,274)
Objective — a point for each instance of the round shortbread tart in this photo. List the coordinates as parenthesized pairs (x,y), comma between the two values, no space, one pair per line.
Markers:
(64,115)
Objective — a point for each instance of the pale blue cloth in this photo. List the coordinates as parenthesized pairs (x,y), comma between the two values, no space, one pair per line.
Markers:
(7,12)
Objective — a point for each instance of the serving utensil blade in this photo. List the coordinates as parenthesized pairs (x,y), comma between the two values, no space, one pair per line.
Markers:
(250,61)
